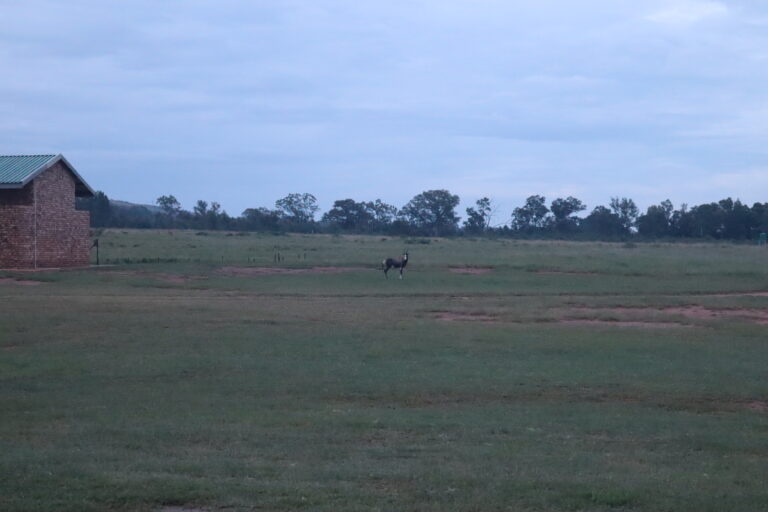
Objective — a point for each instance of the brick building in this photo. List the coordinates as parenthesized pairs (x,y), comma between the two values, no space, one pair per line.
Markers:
(39,226)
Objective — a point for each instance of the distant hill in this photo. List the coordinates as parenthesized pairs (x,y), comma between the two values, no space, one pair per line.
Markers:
(115,203)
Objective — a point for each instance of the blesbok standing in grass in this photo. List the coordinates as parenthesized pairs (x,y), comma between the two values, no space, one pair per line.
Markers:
(395,263)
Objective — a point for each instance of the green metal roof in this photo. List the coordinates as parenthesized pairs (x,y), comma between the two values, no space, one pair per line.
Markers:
(15,169)
(18,170)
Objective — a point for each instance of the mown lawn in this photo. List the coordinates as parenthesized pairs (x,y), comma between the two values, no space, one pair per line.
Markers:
(557,376)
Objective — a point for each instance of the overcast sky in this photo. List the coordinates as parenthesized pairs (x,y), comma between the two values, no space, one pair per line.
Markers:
(243,102)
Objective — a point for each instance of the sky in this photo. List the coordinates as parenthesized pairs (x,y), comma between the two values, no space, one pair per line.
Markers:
(243,102)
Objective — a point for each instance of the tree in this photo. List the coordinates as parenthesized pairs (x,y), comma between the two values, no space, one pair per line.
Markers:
(99,208)
(350,215)
(681,222)
(657,220)
(215,217)
(261,219)
(602,222)
(626,210)
(134,216)
(479,218)
(563,210)
(668,208)
(707,220)
(432,212)
(760,214)
(532,216)
(383,214)
(201,208)
(738,219)
(170,205)
(299,208)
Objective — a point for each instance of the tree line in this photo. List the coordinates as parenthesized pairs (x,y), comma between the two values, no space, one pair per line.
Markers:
(433,213)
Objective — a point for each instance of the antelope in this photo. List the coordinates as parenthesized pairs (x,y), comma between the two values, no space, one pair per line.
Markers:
(395,263)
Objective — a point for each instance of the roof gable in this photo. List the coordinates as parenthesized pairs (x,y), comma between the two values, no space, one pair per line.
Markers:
(18,170)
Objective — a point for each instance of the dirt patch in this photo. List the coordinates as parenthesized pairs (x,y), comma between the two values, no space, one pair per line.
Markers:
(175,278)
(737,294)
(699,312)
(167,278)
(758,405)
(182,509)
(693,312)
(41,269)
(623,323)
(449,316)
(19,282)
(272,271)
(473,271)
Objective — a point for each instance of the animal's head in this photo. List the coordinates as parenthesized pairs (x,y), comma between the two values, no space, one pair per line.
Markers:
(405,255)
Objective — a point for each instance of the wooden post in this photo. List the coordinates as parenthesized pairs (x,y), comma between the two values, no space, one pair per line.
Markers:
(96,245)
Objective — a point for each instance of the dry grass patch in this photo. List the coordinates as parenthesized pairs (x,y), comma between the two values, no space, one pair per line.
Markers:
(541,395)
(392,486)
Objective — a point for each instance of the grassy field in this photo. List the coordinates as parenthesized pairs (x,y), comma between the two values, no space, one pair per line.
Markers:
(196,372)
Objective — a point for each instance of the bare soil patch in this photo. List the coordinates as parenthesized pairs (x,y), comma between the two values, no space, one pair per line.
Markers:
(41,269)
(694,312)
(758,405)
(450,316)
(271,271)
(759,316)
(470,270)
(168,278)
(174,278)
(623,323)
(19,282)
(737,294)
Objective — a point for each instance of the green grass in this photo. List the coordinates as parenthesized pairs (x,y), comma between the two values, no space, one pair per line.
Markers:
(146,385)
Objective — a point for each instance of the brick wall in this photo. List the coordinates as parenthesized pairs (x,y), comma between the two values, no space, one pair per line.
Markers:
(56,235)
(16,236)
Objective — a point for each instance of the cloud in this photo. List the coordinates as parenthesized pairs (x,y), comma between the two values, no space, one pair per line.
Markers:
(363,100)
(688,12)
(741,180)
(747,125)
